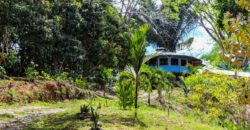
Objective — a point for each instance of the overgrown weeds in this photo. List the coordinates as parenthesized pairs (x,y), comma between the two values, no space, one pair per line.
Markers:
(219,98)
(25,92)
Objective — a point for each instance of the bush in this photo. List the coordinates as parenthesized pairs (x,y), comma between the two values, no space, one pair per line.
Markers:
(217,60)
(125,93)
(84,112)
(30,72)
(95,117)
(80,83)
(64,76)
(216,97)
(2,71)
(46,76)
(11,59)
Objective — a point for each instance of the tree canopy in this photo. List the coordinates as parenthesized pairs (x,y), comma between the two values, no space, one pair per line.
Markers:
(62,35)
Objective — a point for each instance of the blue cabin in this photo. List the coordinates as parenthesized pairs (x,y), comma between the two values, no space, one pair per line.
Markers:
(172,62)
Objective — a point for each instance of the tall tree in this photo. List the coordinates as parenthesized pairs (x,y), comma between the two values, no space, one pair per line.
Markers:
(169,22)
(211,15)
(237,43)
(73,36)
(127,8)
(212,18)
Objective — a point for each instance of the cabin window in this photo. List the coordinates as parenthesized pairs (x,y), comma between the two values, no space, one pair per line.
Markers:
(174,61)
(164,61)
(183,62)
(190,62)
(152,62)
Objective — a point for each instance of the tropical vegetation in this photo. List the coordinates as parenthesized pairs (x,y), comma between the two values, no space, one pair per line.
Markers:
(84,64)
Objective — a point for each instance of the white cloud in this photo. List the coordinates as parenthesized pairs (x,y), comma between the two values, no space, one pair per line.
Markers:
(202,44)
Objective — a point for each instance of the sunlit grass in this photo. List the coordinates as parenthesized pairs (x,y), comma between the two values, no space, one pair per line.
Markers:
(6,117)
(113,118)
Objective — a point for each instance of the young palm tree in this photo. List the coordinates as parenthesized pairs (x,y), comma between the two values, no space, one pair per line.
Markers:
(145,82)
(137,44)
(160,80)
(125,91)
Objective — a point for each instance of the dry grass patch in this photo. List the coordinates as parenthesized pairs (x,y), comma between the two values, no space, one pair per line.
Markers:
(46,91)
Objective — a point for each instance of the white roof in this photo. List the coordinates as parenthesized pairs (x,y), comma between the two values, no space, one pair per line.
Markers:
(228,72)
(211,69)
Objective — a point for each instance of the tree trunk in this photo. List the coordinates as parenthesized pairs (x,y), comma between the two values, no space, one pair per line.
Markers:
(159,94)
(235,74)
(136,91)
(104,91)
(149,98)
(136,95)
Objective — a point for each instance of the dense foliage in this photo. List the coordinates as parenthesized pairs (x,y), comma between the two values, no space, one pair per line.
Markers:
(136,39)
(218,98)
(58,36)
(227,23)
(125,90)
(169,22)
(217,60)
(55,49)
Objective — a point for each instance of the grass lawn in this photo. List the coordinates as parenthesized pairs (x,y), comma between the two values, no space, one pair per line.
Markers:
(113,118)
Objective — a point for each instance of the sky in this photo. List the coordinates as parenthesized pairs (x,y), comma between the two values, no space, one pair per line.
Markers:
(201,45)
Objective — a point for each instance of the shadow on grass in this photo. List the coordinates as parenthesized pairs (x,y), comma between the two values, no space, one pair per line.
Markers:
(6,116)
(105,97)
(64,121)
(69,121)
(153,106)
(126,121)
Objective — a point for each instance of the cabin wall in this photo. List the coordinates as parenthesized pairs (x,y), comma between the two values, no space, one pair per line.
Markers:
(174,57)
(172,65)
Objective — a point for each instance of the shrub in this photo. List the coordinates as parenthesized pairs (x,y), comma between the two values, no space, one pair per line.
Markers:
(216,97)
(80,83)
(46,76)
(11,59)
(95,119)
(125,93)
(11,95)
(64,76)
(2,71)
(30,72)
(84,112)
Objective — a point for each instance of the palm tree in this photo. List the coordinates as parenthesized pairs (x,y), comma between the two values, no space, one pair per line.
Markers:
(145,82)
(125,89)
(137,44)
(160,80)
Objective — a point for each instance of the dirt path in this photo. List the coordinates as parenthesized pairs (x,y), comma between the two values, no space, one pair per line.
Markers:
(153,96)
(22,109)
(21,121)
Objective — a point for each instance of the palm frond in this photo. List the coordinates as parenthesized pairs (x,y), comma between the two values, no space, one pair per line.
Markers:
(148,57)
(130,69)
